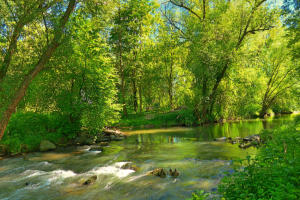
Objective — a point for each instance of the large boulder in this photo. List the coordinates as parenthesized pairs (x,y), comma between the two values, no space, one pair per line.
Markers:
(46,145)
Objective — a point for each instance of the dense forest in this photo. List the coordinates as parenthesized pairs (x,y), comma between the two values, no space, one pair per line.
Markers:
(91,62)
(75,67)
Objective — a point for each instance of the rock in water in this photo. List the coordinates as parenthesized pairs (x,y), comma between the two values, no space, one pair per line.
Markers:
(96,148)
(221,139)
(158,172)
(46,145)
(103,144)
(90,180)
(174,173)
(130,166)
(245,145)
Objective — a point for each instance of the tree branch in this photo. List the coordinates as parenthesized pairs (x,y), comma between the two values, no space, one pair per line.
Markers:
(186,8)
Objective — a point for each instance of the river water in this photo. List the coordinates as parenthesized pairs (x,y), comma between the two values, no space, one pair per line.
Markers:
(200,161)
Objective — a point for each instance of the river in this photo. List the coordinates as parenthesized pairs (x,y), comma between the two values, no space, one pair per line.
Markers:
(200,161)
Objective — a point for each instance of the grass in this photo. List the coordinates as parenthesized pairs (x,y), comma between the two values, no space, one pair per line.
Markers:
(157,119)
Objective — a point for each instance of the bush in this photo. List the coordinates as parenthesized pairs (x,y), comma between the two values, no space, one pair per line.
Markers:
(200,195)
(26,130)
(273,173)
(186,117)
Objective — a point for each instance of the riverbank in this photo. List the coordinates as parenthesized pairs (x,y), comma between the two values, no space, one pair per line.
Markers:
(200,161)
(96,141)
(272,174)
(177,118)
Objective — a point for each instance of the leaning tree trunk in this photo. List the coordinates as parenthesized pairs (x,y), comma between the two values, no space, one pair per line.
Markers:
(21,91)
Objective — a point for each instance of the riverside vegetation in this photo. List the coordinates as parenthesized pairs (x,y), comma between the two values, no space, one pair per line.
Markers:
(72,70)
(272,174)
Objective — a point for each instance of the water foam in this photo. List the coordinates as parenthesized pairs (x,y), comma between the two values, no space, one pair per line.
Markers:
(114,169)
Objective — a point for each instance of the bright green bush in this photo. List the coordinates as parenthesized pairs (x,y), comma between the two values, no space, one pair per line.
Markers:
(200,195)
(26,130)
(273,174)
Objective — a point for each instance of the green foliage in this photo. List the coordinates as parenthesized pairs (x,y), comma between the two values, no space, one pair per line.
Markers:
(151,119)
(26,130)
(273,173)
(200,195)
(186,117)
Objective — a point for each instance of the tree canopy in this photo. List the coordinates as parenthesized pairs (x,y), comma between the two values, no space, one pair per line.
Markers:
(95,61)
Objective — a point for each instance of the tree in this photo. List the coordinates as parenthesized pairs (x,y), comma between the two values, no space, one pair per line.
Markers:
(39,66)
(217,34)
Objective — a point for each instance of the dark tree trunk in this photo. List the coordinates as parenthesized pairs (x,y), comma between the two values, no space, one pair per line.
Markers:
(21,91)
(140,97)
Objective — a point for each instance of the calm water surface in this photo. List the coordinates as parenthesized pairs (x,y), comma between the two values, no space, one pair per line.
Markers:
(201,162)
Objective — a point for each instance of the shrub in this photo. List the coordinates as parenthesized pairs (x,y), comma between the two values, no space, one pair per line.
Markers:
(26,130)
(186,117)
(273,173)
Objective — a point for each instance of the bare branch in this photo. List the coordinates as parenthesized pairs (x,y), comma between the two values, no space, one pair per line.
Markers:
(186,8)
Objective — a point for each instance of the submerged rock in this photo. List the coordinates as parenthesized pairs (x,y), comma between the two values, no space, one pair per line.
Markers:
(255,138)
(221,139)
(245,145)
(112,132)
(103,144)
(247,139)
(96,148)
(174,173)
(46,145)
(130,166)
(84,139)
(158,172)
(90,180)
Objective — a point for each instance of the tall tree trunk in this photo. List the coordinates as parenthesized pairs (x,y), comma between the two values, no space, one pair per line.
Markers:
(21,91)
(140,97)
(11,49)
(121,70)
(208,107)
(134,92)
(134,87)
(171,83)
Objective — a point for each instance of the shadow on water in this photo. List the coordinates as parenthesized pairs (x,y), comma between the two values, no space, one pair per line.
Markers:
(200,161)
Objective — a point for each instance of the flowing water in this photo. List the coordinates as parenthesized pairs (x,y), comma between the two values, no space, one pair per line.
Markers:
(200,161)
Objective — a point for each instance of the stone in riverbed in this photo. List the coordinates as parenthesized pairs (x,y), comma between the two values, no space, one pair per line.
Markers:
(245,145)
(221,139)
(96,148)
(46,145)
(90,180)
(130,166)
(112,132)
(174,173)
(103,144)
(160,172)
(84,139)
